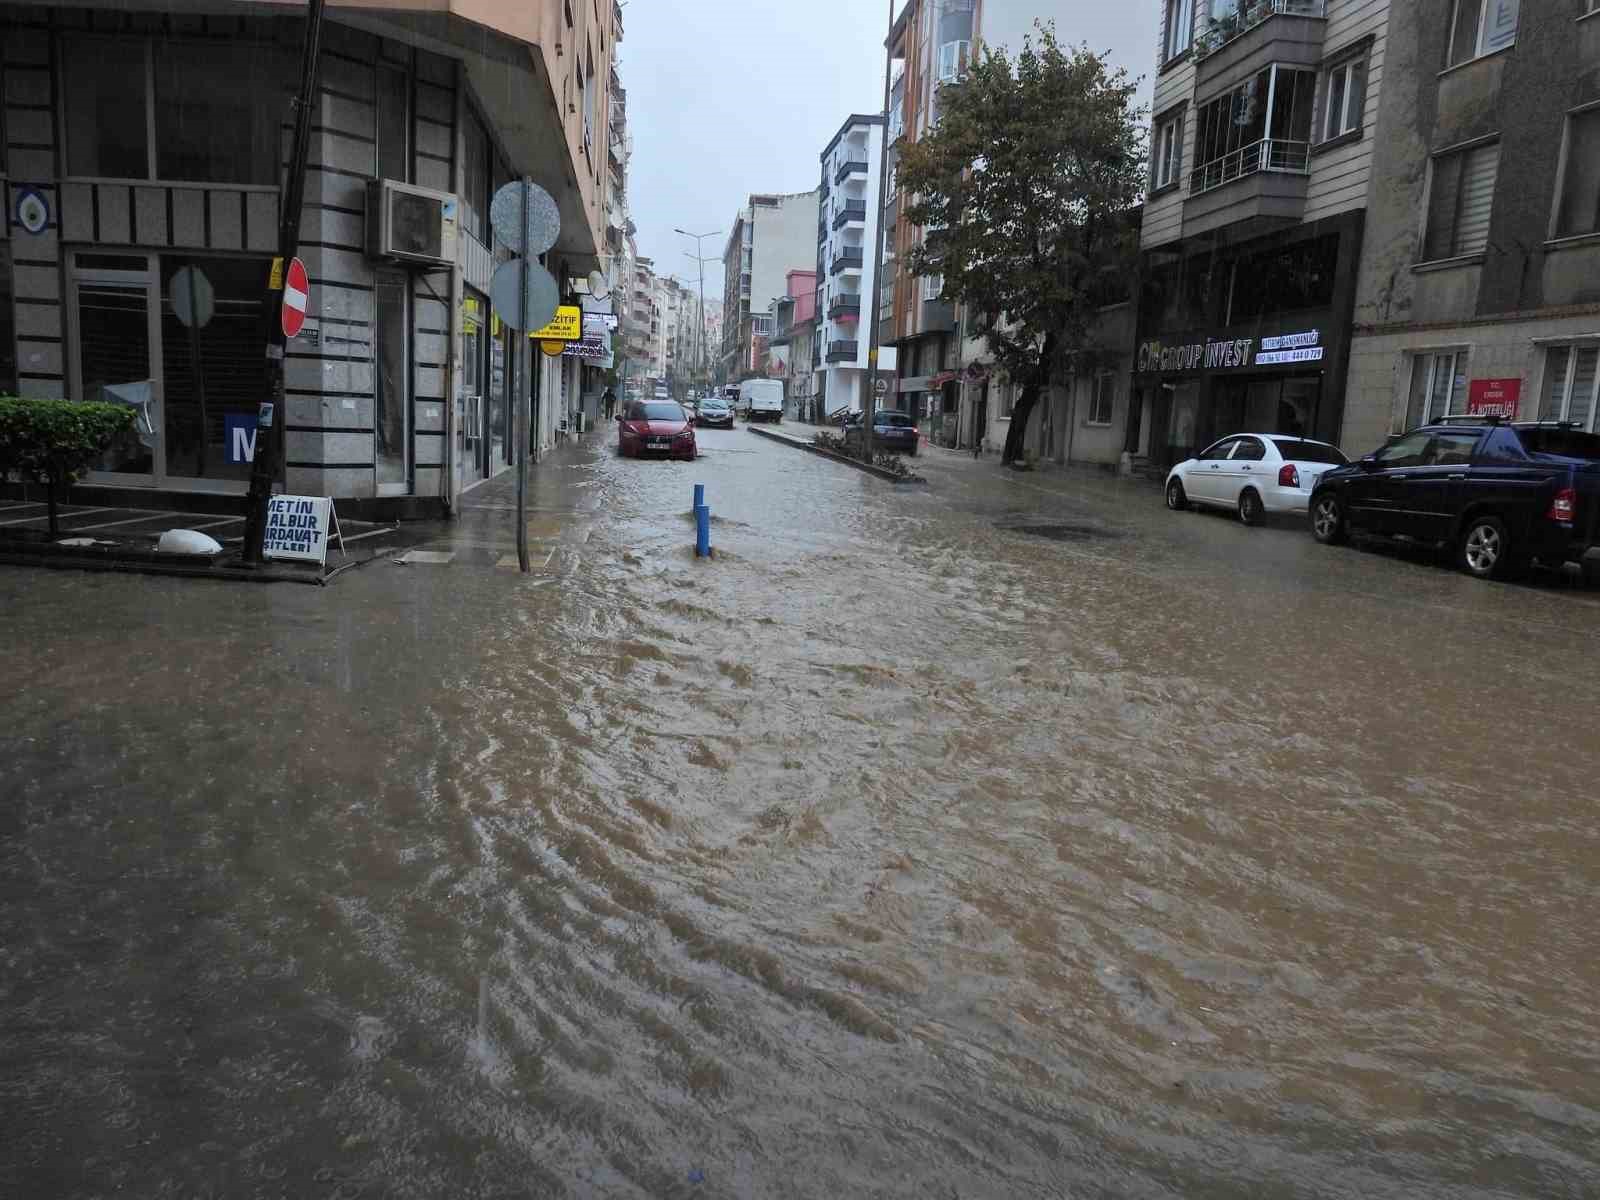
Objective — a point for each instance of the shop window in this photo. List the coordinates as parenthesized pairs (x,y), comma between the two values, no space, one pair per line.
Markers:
(1178,29)
(1460,202)
(1482,27)
(1103,399)
(107,131)
(1167,164)
(1344,98)
(1579,210)
(1571,376)
(1283,280)
(219,111)
(1438,387)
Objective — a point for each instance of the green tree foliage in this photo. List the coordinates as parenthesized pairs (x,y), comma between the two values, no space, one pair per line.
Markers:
(1026,189)
(50,441)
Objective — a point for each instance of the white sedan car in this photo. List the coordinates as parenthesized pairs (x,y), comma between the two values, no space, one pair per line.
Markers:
(1252,474)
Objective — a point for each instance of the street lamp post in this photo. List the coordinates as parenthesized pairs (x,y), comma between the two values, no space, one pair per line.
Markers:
(701,261)
(870,400)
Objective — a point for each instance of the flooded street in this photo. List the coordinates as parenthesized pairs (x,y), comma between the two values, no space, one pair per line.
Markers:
(1006,837)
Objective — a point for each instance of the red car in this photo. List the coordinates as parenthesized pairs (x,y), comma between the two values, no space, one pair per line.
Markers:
(656,427)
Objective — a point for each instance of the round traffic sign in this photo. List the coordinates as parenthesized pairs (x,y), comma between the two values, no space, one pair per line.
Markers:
(525,217)
(542,299)
(296,295)
(880,388)
(193,298)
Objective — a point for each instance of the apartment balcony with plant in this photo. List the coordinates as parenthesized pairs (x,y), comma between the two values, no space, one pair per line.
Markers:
(1232,19)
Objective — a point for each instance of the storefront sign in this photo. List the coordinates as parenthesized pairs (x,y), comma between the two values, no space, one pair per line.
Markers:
(297,527)
(565,326)
(1494,398)
(239,428)
(1230,353)
(589,348)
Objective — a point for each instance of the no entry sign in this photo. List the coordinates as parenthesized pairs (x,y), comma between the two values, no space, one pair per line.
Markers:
(296,293)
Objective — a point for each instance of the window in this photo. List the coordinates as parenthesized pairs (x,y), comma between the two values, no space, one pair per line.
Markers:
(589,90)
(1219,451)
(1238,133)
(1249,449)
(1344,98)
(1482,27)
(1460,201)
(1452,449)
(1179,30)
(1168,164)
(219,111)
(953,61)
(1570,378)
(1438,386)
(932,287)
(1295,450)
(104,99)
(1005,400)
(475,178)
(1580,184)
(1409,451)
(394,125)
(1102,400)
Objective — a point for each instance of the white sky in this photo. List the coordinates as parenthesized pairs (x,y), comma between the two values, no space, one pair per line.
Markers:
(729,97)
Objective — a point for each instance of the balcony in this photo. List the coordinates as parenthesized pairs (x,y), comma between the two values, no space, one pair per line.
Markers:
(1269,154)
(852,165)
(849,212)
(842,352)
(1220,31)
(846,258)
(846,306)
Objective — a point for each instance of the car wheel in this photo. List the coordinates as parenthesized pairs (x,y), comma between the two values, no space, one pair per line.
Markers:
(1251,510)
(1327,520)
(1485,549)
(1177,498)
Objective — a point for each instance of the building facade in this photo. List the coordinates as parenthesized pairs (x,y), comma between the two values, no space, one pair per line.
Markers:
(140,142)
(1480,280)
(770,236)
(847,259)
(790,351)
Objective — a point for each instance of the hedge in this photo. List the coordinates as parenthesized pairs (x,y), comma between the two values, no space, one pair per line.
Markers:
(50,441)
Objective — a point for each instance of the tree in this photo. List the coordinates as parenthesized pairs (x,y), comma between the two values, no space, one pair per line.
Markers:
(1025,189)
(50,441)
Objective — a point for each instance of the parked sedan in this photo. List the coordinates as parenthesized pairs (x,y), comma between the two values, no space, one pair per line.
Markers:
(892,430)
(1253,474)
(715,411)
(655,427)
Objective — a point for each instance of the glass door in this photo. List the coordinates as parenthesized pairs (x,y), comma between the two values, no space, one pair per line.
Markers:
(392,403)
(116,324)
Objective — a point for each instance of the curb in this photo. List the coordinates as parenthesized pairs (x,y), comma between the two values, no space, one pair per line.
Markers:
(785,440)
(143,562)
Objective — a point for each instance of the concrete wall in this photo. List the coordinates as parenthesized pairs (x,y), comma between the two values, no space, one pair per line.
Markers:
(785,240)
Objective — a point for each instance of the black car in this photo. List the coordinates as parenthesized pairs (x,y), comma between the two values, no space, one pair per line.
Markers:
(1499,495)
(892,430)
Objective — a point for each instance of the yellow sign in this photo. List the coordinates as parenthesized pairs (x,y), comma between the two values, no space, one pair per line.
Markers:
(552,347)
(565,326)
(275,280)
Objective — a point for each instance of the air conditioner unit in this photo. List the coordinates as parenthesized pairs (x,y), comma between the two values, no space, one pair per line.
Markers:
(410,223)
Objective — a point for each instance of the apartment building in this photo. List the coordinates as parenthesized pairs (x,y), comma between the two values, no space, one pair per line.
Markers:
(770,236)
(141,140)
(791,350)
(847,259)
(1264,125)
(1480,279)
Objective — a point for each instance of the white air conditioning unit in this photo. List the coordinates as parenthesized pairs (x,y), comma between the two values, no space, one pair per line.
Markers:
(410,223)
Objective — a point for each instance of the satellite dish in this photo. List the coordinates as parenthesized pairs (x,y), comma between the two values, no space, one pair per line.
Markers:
(598,287)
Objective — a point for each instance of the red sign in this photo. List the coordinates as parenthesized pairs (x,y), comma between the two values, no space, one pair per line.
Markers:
(296,294)
(1494,398)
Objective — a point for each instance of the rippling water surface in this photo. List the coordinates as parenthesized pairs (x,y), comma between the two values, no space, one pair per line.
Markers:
(898,851)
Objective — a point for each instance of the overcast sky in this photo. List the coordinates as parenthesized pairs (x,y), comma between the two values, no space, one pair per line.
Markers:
(726,97)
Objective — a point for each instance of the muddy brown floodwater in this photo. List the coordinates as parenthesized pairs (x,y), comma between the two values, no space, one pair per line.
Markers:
(1010,837)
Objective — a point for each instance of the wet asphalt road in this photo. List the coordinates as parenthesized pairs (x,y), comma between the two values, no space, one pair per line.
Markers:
(1005,837)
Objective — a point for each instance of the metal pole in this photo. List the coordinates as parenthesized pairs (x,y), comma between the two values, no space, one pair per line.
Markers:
(199,366)
(525,396)
(270,419)
(870,401)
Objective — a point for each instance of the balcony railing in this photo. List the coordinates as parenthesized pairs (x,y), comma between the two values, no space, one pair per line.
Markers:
(843,214)
(849,167)
(842,351)
(845,305)
(847,258)
(1222,30)
(1269,154)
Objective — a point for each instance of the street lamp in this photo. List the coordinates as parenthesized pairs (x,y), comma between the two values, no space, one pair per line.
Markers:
(701,261)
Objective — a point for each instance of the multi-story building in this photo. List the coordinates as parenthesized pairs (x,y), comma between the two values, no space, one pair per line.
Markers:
(794,327)
(1263,133)
(1480,273)
(640,328)
(770,236)
(139,142)
(847,259)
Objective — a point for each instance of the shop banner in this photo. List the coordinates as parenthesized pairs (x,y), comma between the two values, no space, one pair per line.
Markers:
(1494,398)
(297,527)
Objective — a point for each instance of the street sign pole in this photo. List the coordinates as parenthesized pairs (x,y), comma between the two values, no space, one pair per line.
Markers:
(525,394)
(270,416)
(874,301)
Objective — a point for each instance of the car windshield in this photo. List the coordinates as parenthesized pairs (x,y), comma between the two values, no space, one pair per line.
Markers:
(896,420)
(660,412)
(1295,450)
(1566,443)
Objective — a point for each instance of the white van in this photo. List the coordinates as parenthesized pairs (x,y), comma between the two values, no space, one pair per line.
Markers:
(761,399)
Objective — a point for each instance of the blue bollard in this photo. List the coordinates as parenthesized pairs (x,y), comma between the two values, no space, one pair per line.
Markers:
(699,495)
(702,531)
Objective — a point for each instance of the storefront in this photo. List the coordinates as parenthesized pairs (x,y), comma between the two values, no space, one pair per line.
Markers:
(1250,336)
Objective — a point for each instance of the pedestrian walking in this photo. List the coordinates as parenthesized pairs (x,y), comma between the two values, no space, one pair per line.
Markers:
(610,398)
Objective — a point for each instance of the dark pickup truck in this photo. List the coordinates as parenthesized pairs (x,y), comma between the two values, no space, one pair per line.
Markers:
(1500,495)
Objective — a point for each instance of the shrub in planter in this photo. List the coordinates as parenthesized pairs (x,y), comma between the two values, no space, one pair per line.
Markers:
(50,441)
